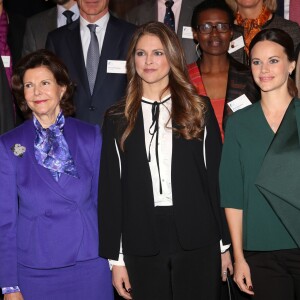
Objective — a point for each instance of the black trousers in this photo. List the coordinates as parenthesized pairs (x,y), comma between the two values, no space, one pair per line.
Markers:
(275,274)
(175,274)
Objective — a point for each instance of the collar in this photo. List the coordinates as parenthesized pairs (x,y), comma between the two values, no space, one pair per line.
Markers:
(151,101)
(102,22)
(74,9)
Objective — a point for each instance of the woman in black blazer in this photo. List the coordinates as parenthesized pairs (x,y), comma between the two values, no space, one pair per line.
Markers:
(159,179)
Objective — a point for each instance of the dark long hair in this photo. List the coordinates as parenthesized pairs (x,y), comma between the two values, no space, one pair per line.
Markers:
(283,39)
(188,108)
(46,59)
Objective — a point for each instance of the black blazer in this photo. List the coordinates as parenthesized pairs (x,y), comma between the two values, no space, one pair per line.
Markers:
(126,204)
(109,88)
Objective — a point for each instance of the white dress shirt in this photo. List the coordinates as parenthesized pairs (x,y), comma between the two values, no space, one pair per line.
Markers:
(164,150)
(175,8)
(61,19)
(85,33)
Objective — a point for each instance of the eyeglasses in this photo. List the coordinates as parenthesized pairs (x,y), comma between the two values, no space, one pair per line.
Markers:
(208,27)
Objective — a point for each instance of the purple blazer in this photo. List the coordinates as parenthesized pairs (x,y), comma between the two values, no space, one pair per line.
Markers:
(46,224)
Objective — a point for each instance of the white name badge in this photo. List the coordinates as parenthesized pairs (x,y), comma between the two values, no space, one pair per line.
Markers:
(6,61)
(239,103)
(187,32)
(236,44)
(116,66)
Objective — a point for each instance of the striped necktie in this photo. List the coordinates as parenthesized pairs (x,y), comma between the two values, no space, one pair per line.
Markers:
(93,56)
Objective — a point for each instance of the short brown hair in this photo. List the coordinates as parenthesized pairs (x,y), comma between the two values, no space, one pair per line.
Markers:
(46,59)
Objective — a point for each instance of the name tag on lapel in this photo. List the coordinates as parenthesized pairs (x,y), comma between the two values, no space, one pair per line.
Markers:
(6,61)
(116,66)
(239,103)
(236,44)
(187,32)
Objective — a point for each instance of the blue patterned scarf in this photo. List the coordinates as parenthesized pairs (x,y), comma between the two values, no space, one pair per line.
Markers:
(51,149)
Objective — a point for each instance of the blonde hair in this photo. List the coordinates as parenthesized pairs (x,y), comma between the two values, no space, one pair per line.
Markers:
(270,4)
(188,108)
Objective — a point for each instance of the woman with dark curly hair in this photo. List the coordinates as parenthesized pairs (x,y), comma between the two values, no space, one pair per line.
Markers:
(159,179)
(48,201)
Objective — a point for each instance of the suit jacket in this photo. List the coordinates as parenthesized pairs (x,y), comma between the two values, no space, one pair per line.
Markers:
(109,87)
(37,29)
(126,204)
(147,12)
(6,102)
(16,31)
(240,81)
(43,223)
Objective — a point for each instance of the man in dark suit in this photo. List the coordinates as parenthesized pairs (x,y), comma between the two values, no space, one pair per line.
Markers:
(71,43)
(39,25)
(154,10)
(6,103)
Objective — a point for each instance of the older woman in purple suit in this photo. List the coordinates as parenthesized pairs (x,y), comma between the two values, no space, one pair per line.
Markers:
(48,201)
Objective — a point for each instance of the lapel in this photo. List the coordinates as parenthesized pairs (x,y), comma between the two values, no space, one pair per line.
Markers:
(185,16)
(153,11)
(43,173)
(110,50)
(70,132)
(278,177)
(52,17)
(137,139)
(49,21)
(75,50)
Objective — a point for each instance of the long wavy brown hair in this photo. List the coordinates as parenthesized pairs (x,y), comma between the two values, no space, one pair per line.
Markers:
(188,108)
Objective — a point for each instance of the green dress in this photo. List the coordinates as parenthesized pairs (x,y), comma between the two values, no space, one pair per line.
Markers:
(248,137)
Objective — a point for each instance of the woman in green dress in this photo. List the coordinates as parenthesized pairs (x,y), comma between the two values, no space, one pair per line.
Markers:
(258,176)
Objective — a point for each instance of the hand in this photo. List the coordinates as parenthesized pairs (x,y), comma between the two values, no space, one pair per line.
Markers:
(226,265)
(121,282)
(13,296)
(242,276)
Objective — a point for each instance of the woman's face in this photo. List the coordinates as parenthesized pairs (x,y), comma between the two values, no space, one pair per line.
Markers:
(270,66)
(249,4)
(42,93)
(215,42)
(151,62)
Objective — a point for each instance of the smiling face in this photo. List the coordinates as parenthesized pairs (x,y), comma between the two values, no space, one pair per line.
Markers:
(151,62)
(270,66)
(249,3)
(93,10)
(42,93)
(213,43)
